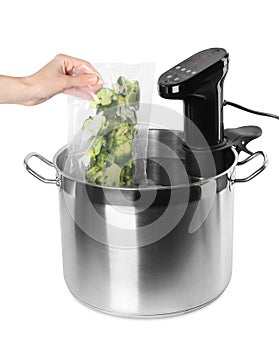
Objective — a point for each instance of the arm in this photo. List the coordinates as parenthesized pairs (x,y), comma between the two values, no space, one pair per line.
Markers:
(14,90)
(54,78)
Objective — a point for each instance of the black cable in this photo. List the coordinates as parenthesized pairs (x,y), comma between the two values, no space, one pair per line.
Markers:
(228,103)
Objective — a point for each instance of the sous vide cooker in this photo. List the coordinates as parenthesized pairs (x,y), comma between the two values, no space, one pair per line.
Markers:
(163,249)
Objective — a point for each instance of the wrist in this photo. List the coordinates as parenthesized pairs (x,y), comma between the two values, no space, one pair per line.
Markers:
(28,91)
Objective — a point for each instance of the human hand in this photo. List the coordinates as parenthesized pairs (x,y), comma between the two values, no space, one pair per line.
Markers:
(63,74)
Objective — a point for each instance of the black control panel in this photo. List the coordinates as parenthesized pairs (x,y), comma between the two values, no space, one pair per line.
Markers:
(192,66)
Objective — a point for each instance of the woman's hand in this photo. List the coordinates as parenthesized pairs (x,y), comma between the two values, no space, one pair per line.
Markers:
(63,74)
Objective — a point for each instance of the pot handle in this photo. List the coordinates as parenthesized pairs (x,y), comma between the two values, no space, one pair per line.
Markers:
(258,171)
(34,173)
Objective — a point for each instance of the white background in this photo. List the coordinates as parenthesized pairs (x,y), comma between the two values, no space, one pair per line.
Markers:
(36,309)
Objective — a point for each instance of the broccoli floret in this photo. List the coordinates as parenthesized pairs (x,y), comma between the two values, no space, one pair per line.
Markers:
(130,90)
(120,99)
(101,160)
(90,155)
(106,177)
(127,114)
(97,145)
(92,174)
(126,175)
(123,153)
(133,94)
(102,97)
(122,83)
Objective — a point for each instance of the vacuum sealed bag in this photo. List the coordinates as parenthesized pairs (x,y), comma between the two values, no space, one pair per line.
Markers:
(108,135)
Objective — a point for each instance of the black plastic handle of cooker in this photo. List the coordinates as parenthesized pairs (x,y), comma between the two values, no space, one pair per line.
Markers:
(240,137)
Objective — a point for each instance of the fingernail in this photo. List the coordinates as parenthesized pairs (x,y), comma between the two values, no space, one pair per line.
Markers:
(93,80)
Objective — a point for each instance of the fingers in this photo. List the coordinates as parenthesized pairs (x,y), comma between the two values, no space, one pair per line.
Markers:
(70,62)
(75,66)
(82,80)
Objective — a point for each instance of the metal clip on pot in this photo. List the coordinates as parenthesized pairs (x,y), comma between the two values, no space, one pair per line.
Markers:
(239,138)
(56,181)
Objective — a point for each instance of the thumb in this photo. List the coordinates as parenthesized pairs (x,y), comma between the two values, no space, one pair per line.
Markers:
(81,80)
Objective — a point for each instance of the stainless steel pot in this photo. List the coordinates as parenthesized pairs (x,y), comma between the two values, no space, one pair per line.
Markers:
(147,252)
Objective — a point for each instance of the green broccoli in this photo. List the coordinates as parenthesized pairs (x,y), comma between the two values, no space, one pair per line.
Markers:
(130,90)
(109,176)
(123,153)
(111,160)
(102,97)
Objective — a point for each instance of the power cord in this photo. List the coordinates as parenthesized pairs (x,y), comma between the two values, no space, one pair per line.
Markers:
(228,103)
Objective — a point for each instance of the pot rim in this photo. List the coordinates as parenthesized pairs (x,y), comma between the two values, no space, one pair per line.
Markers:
(199,182)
